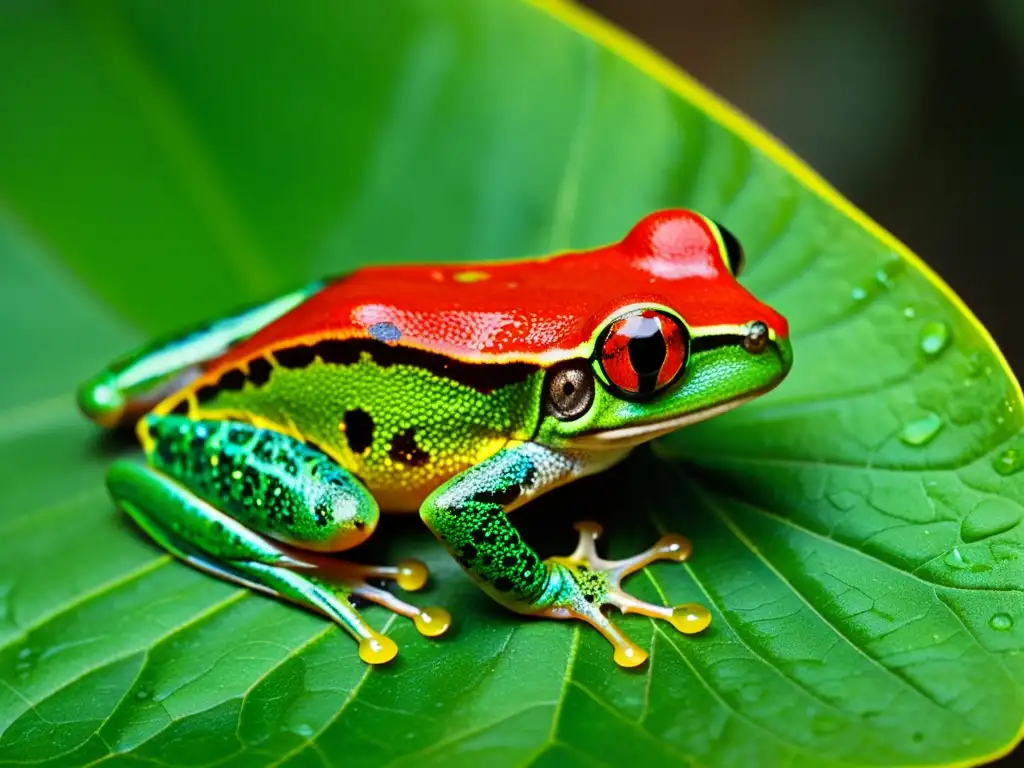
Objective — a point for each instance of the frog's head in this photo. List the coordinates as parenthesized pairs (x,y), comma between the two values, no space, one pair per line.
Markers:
(696,345)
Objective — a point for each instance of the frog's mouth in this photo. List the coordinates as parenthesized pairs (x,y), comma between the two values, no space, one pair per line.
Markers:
(635,434)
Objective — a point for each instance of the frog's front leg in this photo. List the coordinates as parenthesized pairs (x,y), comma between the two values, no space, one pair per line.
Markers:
(247,504)
(468,514)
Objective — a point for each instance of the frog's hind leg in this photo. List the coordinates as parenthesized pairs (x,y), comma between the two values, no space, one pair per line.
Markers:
(133,384)
(238,502)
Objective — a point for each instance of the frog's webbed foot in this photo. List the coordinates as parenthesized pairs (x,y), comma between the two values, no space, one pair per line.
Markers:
(583,583)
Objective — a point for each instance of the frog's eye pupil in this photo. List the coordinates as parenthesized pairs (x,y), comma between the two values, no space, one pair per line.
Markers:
(643,352)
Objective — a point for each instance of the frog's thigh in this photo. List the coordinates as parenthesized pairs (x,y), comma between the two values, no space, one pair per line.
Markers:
(270,482)
(202,469)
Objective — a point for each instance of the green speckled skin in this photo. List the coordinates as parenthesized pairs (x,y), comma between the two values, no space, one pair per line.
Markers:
(414,429)
(271,483)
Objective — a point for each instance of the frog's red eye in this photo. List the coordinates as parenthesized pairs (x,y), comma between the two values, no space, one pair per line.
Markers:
(643,352)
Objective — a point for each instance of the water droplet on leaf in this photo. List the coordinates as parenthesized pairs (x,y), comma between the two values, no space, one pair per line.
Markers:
(958,560)
(887,271)
(1001,622)
(858,294)
(954,559)
(990,518)
(1008,462)
(302,729)
(934,339)
(921,431)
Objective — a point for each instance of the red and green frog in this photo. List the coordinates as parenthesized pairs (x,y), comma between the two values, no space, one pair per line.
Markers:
(276,437)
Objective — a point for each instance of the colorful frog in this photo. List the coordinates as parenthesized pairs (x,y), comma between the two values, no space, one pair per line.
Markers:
(274,437)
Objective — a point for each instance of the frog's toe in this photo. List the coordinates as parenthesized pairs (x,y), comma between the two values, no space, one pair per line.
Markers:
(431,622)
(585,583)
(410,575)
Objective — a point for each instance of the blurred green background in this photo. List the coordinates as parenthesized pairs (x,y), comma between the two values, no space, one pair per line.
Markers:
(913,109)
(910,107)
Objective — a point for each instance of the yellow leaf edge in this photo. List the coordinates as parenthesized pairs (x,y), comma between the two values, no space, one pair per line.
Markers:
(664,72)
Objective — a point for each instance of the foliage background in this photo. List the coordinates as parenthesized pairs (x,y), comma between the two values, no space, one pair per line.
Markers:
(176,683)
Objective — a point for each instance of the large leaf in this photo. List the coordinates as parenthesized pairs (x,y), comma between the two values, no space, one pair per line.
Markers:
(856,533)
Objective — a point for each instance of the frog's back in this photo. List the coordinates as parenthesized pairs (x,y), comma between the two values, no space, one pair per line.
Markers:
(401,414)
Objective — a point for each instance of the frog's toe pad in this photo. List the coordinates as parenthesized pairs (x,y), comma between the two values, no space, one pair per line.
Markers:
(431,622)
(585,583)
(335,581)
(377,649)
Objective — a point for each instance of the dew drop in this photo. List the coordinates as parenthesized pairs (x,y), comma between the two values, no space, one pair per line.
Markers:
(1008,462)
(141,695)
(909,313)
(858,294)
(302,729)
(1001,622)
(990,518)
(889,269)
(24,653)
(921,431)
(954,559)
(934,339)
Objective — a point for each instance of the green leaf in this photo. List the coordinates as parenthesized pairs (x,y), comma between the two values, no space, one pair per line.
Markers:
(856,533)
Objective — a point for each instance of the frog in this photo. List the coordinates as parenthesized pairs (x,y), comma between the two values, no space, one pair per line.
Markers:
(275,437)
